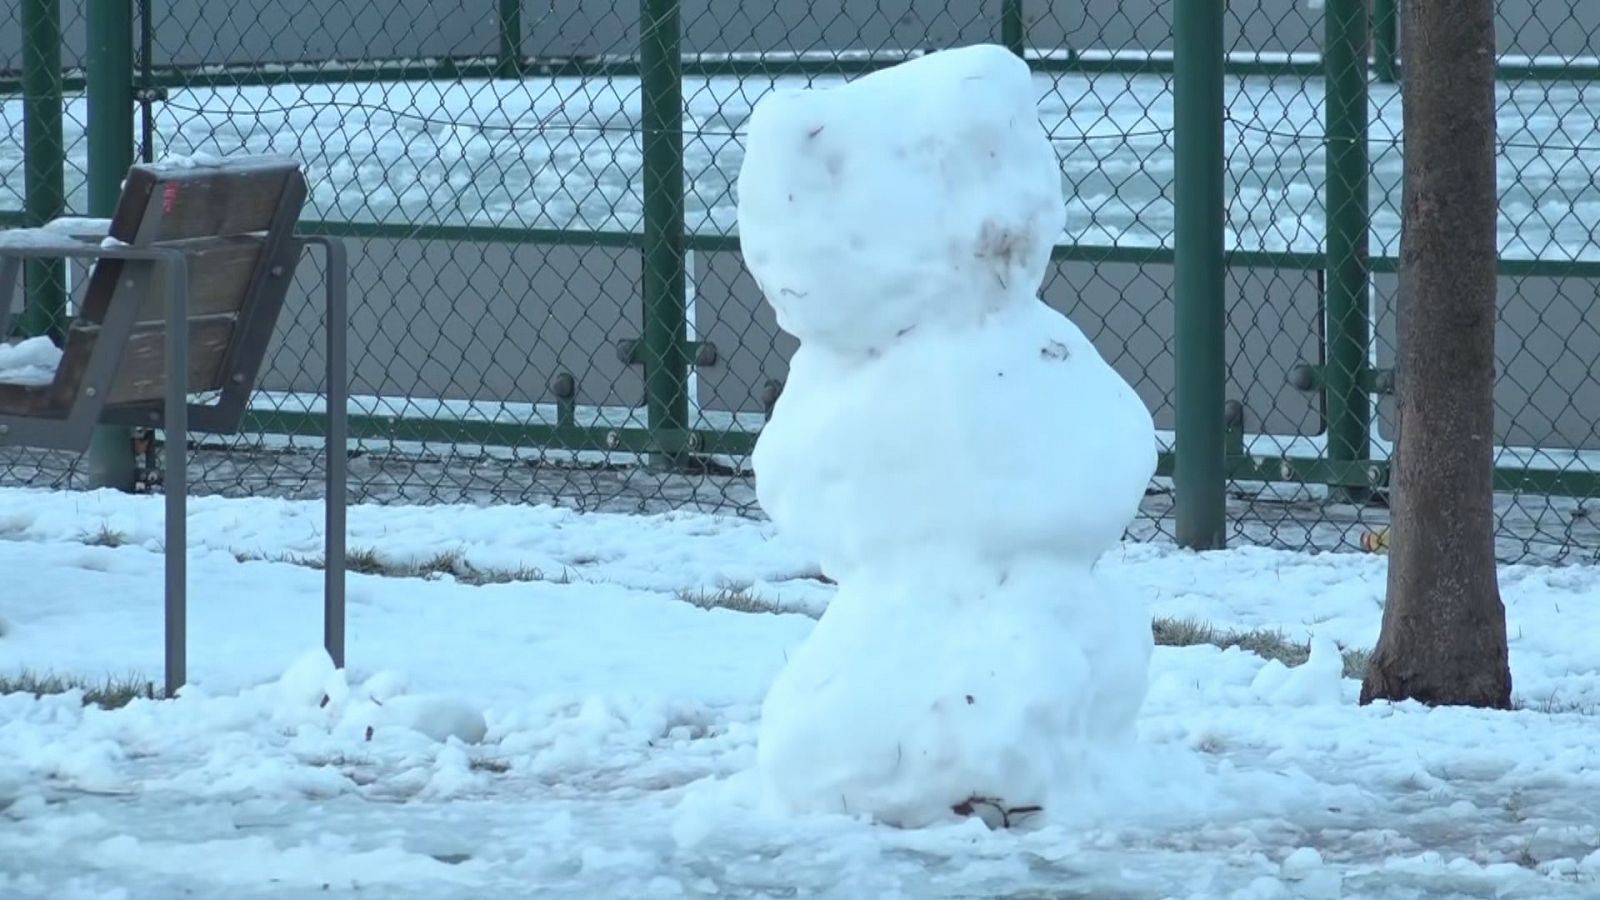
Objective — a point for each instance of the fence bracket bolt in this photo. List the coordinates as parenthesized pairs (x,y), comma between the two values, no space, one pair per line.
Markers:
(702,353)
(1307,377)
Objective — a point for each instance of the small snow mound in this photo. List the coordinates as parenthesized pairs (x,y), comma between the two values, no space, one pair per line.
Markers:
(1301,862)
(1264,887)
(452,773)
(312,680)
(438,716)
(1319,681)
(385,684)
(31,362)
(197,160)
(77,225)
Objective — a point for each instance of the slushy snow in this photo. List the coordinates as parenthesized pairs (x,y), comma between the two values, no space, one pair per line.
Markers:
(957,454)
(623,725)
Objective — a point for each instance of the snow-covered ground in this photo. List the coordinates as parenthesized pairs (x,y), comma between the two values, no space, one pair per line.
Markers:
(566,153)
(621,723)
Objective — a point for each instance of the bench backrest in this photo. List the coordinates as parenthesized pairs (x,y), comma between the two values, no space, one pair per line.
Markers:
(234,223)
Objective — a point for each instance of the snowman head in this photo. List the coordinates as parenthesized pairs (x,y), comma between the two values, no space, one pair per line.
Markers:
(922,195)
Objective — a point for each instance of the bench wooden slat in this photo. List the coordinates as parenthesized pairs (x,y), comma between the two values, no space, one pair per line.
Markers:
(28,400)
(163,203)
(220,271)
(143,375)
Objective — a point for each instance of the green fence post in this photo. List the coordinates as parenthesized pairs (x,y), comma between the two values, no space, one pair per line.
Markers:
(664,350)
(1013,27)
(44,163)
(1199,470)
(510,60)
(147,83)
(109,83)
(1386,39)
(1349,408)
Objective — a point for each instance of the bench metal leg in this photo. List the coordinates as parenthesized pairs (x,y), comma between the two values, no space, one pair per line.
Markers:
(336,446)
(176,427)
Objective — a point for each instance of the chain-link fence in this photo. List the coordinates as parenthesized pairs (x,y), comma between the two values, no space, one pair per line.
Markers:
(549,303)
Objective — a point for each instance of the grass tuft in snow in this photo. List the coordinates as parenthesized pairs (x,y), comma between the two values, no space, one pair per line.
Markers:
(107,693)
(735,599)
(105,536)
(475,576)
(368,561)
(363,561)
(1355,662)
(1269,644)
(1555,705)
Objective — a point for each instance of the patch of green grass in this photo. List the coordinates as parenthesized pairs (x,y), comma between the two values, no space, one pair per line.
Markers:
(108,693)
(736,599)
(1270,644)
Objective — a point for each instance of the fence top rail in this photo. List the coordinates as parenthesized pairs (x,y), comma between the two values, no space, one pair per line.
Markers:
(1065,60)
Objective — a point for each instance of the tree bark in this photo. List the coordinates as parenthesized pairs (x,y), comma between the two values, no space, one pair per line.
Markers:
(1443,638)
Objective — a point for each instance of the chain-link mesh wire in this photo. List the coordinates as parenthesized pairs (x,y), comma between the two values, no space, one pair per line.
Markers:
(45,133)
(549,305)
(1547,396)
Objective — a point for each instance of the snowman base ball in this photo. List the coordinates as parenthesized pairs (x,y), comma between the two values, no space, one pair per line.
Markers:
(963,692)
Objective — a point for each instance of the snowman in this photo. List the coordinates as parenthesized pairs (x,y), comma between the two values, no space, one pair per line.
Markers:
(956,454)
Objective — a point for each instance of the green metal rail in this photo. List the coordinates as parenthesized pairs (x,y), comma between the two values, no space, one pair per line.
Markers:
(44,162)
(1065,62)
(1348,406)
(1200,276)
(110,134)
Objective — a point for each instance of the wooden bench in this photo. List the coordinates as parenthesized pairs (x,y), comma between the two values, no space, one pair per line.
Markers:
(183,297)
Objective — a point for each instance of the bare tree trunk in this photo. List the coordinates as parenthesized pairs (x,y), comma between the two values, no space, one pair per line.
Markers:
(1443,639)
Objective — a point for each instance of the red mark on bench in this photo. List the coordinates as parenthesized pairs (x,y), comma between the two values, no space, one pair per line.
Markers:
(169,196)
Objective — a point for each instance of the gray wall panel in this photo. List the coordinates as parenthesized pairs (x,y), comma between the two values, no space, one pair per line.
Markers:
(486,322)
(1124,308)
(1547,350)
